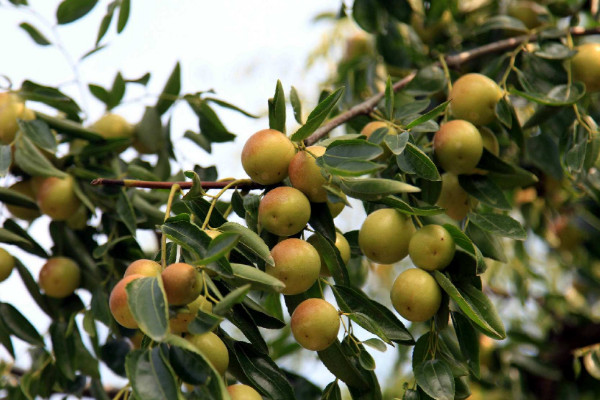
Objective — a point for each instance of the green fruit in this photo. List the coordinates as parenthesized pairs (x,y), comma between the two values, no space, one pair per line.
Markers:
(59,277)
(213,348)
(586,65)
(453,198)
(384,236)
(143,267)
(243,392)
(340,243)
(458,146)
(182,283)
(179,323)
(306,176)
(113,126)
(24,213)
(297,264)
(267,155)
(416,295)
(7,264)
(431,248)
(474,97)
(528,12)
(119,305)
(284,211)
(11,109)
(57,199)
(315,324)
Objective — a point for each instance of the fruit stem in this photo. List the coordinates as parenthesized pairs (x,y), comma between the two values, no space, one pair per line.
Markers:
(163,244)
(228,185)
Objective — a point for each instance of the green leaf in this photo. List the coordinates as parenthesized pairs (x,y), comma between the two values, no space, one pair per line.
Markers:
(230,106)
(375,343)
(366,361)
(435,378)
(149,130)
(365,13)
(321,220)
(70,128)
(123,15)
(374,188)
(485,190)
(9,237)
(414,161)
(406,208)
(11,196)
(71,10)
(104,24)
(501,22)
(32,161)
(186,235)
(125,212)
(249,241)
(170,91)
(332,258)
(340,365)
(489,244)
(503,112)
(353,300)
(5,339)
(151,376)
(204,322)
(258,279)
(554,51)
(50,96)
(429,115)
(19,326)
(332,392)
(219,247)
(343,150)
(396,143)
(562,95)
(211,126)
(63,349)
(241,318)
(5,159)
(296,105)
(147,301)
(500,224)
(350,167)
(467,340)
(317,116)
(476,306)
(429,80)
(35,34)
(234,297)
(277,109)
(39,133)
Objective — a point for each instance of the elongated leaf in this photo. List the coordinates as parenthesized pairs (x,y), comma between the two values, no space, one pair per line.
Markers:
(32,161)
(5,339)
(249,241)
(234,297)
(475,305)
(211,126)
(277,109)
(317,116)
(396,143)
(257,278)
(229,106)
(7,236)
(11,196)
(148,303)
(332,258)
(353,300)
(18,325)
(123,15)
(484,190)
(52,97)
(562,95)
(435,378)
(70,128)
(71,10)
(499,224)
(332,392)
(343,150)
(63,348)
(31,285)
(39,133)
(151,376)
(241,318)
(375,188)
(429,115)
(170,91)
(296,105)
(35,34)
(204,322)
(126,213)
(414,161)
(322,221)
(468,341)
(489,244)
(350,167)
(405,208)
(341,366)
(220,246)
(186,235)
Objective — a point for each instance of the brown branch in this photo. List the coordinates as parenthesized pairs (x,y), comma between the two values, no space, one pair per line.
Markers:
(247,184)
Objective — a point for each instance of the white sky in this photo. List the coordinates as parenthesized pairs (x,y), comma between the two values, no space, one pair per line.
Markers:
(238,48)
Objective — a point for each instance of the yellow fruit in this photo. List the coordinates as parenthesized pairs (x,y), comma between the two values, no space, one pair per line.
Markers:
(179,323)
(143,267)
(57,199)
(384,236)
(284,211)
(586,65)
(113,126)
(306,176)
(315,324)
(59,277)
(416,295)
(7,264)
(267,155)
(458,146)
(28,214)
(243,392)
(297,264)
(213,348)
(12,110)
(453,198)
(182,283)
(474,97)
(431,248)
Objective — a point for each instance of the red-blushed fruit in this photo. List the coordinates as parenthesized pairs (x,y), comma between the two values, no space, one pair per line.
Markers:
(179,323)
(182,283)
(59,277)
(213,348)
(267,155)
(113,126)
(143,267)
(431,248)
(306,176)
(117,302)
(243,392)
(474,97)
(416,295)
(25,188)
(315,324)
(342,245)
(297,264)
(284,211)
(458,146)
(57,199)
(453,198)
(586,65)
(7,264)
(384,236)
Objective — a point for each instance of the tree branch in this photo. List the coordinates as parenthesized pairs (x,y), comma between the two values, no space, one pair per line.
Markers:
(207,185)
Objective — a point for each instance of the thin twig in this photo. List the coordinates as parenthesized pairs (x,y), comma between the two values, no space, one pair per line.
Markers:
(242,183)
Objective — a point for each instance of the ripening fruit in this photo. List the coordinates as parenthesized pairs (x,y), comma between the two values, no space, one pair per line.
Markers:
(384,236)
(431,248)
(24,213)
(297,264)
(372,126)
(284,211)
(357,45)
(7,264)
(11,109)
(342,245)
(306,176)
(57,199)
(416,295)
(267,155)
(243,392)
(182,283)
(118,304)
(454,198)
(458,146)
(143,267)
(179,323)
(586,65)
(213,348)
(528,12)
(59,277)
(113,126)
(489,140)
(315,324)
(474,97)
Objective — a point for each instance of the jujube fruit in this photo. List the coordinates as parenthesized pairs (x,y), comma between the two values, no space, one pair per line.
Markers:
(267,155)
(182,283)
(458,146)
(315,324)
(431,247)
(28,214)
(243,392)
(297,264)
(416,295)
(113,126)
(384,236)
(284,211)
(57,199)
(306,176)
(119,305)
(213,348)
(59,277)
(7,264)
(474,97)
(453,198)
(586,65)
(143,267)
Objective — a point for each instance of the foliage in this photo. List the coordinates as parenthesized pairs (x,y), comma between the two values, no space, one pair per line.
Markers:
(526,271)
